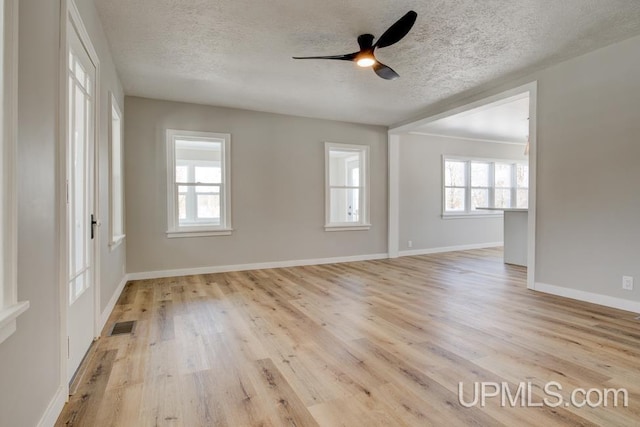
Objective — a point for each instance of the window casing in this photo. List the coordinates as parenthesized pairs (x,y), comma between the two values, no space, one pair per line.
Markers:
(10,308)
(199,183)
(469,184)
(117,176)
(346,187)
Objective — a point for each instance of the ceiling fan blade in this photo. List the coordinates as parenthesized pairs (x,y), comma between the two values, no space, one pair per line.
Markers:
(346,57)
(385,71)
(397,31)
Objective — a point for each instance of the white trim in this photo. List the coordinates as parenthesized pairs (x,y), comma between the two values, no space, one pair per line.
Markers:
(256,266)
(198,233)
(462,215)
(393,170)
(443,249)
(465,138)
(604,300)
(112,302)
(533,162)
(115,240)
(335,227)
(10,308)
(8,316)
(55,407)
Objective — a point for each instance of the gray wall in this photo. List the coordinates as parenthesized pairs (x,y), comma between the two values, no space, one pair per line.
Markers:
(277,185)
(588,220)
(421,193)
(30,358)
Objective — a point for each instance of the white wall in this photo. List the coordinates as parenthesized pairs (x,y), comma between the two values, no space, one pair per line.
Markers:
(30,358)
(421,193)
(277,188)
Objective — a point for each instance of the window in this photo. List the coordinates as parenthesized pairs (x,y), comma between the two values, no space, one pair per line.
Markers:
(470,184)
(199,196)
(10,308)
(347,187)
(117,180)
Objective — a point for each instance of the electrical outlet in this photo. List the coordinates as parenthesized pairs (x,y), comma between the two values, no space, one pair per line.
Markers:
(627,283)
(410,243)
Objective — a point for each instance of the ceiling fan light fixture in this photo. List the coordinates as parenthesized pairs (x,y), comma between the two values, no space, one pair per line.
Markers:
(365,60)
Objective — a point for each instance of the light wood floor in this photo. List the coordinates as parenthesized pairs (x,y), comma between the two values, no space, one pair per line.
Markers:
(360,344)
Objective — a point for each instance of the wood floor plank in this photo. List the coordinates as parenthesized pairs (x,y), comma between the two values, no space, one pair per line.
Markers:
(382,343)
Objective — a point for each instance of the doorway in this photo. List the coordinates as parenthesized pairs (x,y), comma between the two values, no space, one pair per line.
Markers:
(78,170)
(491,142)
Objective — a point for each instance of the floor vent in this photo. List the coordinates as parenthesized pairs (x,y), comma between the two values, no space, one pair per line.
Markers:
(121,328)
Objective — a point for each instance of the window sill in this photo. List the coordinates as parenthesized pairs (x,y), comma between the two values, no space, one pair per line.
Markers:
(199,233)
(116,242)
(8,318)
(471,216)
(362,227)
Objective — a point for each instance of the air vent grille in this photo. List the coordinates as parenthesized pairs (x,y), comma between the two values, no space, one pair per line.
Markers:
(121,328)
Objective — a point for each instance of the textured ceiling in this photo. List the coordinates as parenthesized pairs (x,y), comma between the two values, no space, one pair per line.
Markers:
(237,53)
(506,120)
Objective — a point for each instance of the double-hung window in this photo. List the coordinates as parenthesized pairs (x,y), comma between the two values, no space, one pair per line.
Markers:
(347,187)
(10,308)
(199,196)
(117,181)
(470,184)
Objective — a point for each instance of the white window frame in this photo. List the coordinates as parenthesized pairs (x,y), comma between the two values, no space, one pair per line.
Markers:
(468,212)
(10,308)
(363,220)
(174,229)
(116,238)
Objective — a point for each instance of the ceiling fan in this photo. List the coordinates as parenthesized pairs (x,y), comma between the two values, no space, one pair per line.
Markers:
(365,57)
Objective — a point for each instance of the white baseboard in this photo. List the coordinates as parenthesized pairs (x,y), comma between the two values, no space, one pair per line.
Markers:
(428,251)
(112,302)
(257,266)
(605,300)
(54,409)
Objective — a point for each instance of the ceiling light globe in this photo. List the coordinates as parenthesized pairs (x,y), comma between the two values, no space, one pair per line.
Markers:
(366,61)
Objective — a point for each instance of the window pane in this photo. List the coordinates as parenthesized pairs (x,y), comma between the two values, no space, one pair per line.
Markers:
(479,174)
(522,176)
(479,199)
(182,206)
(209,207)
(523,199)
(342,164)
(198,151)
(354,177)
(345,205)
(208,174)
(454,199)
(503,175)
(454,173)
(182,173)
(503,199)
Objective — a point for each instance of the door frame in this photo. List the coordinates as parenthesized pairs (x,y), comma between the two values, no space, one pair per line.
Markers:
(484,98)
(69,18)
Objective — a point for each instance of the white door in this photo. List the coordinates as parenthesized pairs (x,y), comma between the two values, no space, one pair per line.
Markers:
(80,201)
